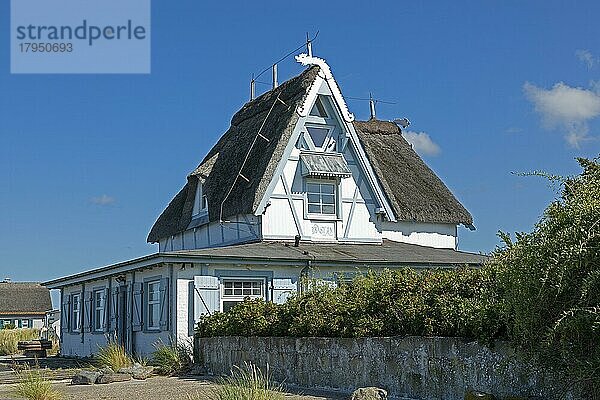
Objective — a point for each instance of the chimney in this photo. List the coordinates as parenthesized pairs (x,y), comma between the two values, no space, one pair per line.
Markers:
(296,240)
(275,76)
(372,106)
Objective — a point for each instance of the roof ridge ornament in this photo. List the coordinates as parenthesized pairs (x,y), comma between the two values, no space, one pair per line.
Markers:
(324,73)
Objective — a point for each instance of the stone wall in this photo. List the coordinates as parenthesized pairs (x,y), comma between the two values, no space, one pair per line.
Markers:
(407,367)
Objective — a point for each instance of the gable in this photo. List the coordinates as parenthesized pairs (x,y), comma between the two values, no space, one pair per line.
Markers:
(275,111)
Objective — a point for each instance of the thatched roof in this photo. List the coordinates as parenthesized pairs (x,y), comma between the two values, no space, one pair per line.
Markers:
(220,167)
(415,192)
(413,189)
(24,298)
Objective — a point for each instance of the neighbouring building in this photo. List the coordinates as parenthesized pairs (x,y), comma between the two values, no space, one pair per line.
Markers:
(296,187)
(23,304)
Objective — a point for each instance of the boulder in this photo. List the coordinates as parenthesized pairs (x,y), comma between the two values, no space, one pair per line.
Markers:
(111,378)
(85,378)
(106,370)
(369,393)
(137,371)
(476,395)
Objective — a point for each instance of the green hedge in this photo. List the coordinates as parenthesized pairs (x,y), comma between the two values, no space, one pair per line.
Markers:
(459,302)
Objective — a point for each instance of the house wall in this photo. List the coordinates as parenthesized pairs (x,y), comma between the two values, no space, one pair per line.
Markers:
(238,229)
(33,321)
(421,233)
(140,342)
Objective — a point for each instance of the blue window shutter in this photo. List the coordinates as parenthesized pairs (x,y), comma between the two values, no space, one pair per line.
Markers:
(65,314)
(164,304)
(138,307)
(87,312)
(207,297)
(283,288)
(114,316)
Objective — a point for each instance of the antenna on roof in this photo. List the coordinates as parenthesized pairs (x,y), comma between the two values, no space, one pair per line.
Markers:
(309,44)
(252,88)
(275,84)
(372,106)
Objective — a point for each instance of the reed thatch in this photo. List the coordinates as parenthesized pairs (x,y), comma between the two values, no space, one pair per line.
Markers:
(415,192)
(218,171)
(24,298)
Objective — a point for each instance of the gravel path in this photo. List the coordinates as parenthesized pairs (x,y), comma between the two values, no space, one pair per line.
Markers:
(153,388)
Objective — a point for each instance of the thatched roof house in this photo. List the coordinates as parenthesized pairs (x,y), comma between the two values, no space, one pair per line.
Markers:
(23,301)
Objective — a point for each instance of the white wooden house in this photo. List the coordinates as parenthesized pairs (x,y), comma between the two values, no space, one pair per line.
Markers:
(295,187)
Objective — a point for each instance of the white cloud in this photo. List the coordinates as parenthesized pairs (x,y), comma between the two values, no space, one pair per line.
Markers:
(422,143)
(587,58)
(565,107)
(103,200)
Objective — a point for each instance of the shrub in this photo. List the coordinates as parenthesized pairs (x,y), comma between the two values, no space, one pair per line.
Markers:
(170,359)
(461,302)
(245,383)
(9,339)
(113,355)
(34,386)
(551,279)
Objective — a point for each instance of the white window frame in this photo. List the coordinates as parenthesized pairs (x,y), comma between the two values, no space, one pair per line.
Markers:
(76,312)
(99,310)
(200,202)
(239,298)
(331,129)
(321,216)
(151,303)
(25,323)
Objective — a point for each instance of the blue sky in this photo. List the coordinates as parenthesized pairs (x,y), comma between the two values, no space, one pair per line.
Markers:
(87,162)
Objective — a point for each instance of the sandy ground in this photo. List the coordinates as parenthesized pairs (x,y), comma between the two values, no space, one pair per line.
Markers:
(153,388)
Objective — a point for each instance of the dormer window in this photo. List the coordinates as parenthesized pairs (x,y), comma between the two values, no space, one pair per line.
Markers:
(200,202)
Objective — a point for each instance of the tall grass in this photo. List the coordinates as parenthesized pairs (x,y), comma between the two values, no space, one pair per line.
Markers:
(10,337)
(113,355)
(247,382)
(170,359)
(34,386)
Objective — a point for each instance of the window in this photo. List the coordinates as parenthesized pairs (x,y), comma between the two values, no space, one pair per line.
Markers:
(234,291)
(99,310)
(25,323)
(318,109)
(153,316)
(321,197)
(76,312)
(201,201)
(318,135)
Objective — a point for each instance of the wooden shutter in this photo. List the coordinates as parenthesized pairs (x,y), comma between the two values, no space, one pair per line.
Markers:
(164,304)
(283,288)
(114,317)
(207,295)
(65,314)
(106,322)
(138,307)
(87,312)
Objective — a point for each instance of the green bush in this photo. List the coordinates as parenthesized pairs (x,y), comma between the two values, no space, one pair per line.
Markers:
(551,279)
(459,302)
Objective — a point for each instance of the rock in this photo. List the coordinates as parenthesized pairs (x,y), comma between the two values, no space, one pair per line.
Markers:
(369,393)
(106,370)
(137,371)
(476,395)
(110,378)
(85,378)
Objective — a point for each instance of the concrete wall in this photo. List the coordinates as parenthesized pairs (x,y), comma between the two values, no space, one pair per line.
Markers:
(408,367)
